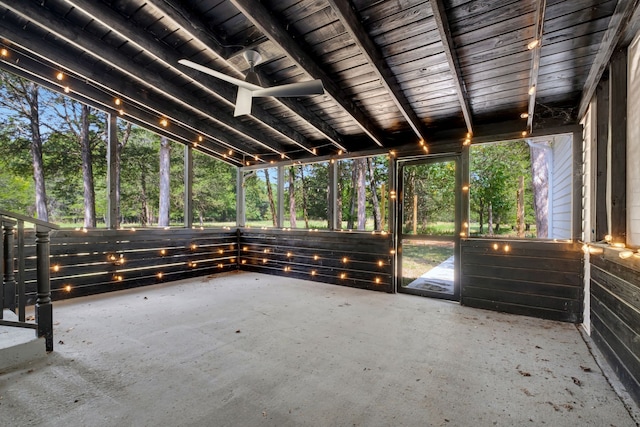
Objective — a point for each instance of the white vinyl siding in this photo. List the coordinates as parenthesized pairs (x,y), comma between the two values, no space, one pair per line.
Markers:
(633,144)
(561,188)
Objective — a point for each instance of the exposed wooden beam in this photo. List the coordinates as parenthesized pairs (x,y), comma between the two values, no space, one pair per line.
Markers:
(262,18)
(193,25)
(535,62)
(46,20)
(348,16)
(625,9)
(99,90)
(440,15)
(216,88)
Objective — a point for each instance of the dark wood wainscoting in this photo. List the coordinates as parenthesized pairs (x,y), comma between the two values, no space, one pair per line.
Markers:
(356,259)
(615,314)
(96,261)
(534,278)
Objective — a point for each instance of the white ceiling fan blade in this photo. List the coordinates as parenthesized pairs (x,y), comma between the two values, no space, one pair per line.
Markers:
(219,75)
(313,87)
(243,102)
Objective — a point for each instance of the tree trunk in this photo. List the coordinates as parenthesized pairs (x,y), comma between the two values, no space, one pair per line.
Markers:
(118,162)
(165,193)
(352,199)
(362,193)
(377,217)
(540,184)
(144,204)
(520,208)
(87,170)
(272,205)
(292,197)
(481,219)
(490,225)
(36,152)
(305,214)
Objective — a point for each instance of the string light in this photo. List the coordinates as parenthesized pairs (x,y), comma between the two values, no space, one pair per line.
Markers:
(117,101)
(121,112)
(67,288)
(193,246)
(495,246)
(524,133)
(4,52)
(159,275)
(377,280)
(532,90)
(163,252)
(380,263)
(164,122)
(345,260)
(507,248)
(343,275)
(313,272)
(533,44)
(67,89)
(315,257)
(524,115)
(56,268)
(60,76)
(625,254)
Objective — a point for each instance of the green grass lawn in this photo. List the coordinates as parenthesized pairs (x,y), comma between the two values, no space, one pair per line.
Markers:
(420,257)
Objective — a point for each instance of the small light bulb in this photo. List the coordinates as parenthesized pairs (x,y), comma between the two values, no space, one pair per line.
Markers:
(67,89)
(67,288)
(524,115)
(4,52)
(60,76)
(533,44)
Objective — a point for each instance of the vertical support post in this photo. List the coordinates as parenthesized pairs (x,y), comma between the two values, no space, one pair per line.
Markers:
(393,215)
(332,196)
(9,278)
(601,132)
(464,197)
(44,308)
(112,176)
(1,270)
(577,165)
(188,186)
(618,145)
(240,207)
(22,297)
(280,196)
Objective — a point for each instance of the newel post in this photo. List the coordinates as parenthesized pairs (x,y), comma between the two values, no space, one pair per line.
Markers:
(44,309)
(9,279)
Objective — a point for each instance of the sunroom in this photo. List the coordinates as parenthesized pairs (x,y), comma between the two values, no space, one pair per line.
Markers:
(483,153)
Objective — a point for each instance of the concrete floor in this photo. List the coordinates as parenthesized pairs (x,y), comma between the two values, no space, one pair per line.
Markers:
(253,350)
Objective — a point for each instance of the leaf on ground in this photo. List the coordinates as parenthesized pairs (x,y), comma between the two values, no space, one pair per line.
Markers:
(577,381)
(524,373)
(585,368)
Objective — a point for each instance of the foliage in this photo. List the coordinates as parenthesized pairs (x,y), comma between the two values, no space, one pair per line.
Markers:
(494,171)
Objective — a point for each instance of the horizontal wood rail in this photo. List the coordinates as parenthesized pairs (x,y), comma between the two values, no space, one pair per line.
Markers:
(85,262)
(534,278)
(356,259)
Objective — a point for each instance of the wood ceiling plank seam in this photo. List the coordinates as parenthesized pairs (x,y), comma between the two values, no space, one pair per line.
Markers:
(31,69)
(222,92)
(585,31)
(558,22)
(440,16)
(268,25)
(504,15)
(193,25)
(71,36)
(615,30)
(399,19)
(535,61)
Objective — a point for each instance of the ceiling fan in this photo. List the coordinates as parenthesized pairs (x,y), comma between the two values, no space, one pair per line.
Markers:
(250,88)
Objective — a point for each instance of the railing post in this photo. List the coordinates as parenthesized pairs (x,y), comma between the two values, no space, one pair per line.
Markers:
(9,279)
(44,308)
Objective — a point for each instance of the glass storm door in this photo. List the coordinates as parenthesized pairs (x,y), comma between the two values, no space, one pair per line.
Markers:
(429,228)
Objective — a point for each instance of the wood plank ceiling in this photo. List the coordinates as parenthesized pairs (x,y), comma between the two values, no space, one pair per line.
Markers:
(395,72)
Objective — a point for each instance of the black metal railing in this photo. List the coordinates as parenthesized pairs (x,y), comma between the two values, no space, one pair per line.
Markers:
(12,270)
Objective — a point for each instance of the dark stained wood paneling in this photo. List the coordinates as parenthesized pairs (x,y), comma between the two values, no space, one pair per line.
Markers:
(615,314)
(320,256)
(90,262)
(534,278)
